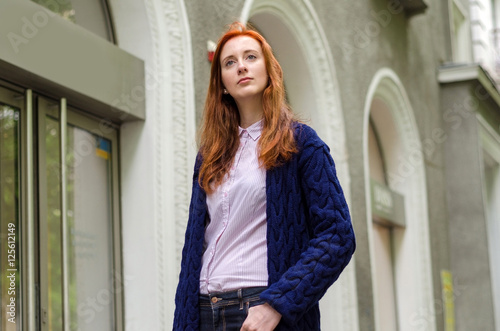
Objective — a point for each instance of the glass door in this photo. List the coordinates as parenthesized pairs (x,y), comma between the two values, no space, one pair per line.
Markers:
(60,243)
(11,107)
(51,287)
(93,283)
(79,239)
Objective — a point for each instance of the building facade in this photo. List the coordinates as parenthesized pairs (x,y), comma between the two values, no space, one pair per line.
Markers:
(99,107)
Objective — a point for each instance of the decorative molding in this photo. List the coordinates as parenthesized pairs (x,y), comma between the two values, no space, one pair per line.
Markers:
(182,118)
(154,23)
(458,73)
(415,246)
(449,74)
(301,19)
(174,127)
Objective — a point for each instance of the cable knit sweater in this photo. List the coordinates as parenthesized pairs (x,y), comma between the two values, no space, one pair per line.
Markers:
(310,238)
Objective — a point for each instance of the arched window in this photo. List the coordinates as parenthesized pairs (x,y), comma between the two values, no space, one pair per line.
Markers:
(383,239)
(397,215)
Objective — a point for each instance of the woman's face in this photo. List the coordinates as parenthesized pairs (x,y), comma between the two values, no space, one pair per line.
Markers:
(243,69)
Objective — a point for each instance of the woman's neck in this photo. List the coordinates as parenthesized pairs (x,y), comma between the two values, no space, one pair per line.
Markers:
(250,112)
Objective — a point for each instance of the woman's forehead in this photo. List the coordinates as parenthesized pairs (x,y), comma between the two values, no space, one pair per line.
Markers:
(240,44)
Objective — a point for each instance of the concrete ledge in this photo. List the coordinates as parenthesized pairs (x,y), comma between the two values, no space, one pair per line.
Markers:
(42,51)
(455,73)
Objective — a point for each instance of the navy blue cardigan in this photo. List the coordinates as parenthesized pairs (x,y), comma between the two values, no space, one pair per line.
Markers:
(310,238)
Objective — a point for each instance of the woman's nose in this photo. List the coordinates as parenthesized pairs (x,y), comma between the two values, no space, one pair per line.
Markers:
(242,68)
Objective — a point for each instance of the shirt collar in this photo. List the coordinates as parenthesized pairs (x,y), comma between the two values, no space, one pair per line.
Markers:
(254,130)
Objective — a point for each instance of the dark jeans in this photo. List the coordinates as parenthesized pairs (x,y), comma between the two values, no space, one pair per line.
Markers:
(227,311)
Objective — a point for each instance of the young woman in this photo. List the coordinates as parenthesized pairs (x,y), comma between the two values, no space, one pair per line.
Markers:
(269,229)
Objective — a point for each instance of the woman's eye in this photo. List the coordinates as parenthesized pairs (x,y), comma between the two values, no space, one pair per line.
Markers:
(229,63)
(251,57)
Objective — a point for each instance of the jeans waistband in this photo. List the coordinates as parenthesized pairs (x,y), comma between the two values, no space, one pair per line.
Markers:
(231,297)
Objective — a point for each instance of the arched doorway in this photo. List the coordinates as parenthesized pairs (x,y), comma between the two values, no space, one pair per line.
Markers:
(397,213)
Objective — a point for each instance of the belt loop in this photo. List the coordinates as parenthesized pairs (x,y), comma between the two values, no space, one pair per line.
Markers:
(240,297)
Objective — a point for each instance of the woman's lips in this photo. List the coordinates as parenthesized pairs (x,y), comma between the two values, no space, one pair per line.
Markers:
(244,80)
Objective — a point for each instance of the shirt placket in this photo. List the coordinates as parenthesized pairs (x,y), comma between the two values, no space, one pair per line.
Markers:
(226,187)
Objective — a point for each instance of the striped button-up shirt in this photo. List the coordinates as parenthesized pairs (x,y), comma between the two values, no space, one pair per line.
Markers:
(235,247)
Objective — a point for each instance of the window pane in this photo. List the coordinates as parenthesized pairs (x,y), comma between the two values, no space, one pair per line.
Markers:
(9,219)
(89,215)
(90,14)
(384,280)
(53,225)
(90,231)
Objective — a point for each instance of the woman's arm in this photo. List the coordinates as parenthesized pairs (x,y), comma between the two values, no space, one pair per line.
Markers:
(332,241)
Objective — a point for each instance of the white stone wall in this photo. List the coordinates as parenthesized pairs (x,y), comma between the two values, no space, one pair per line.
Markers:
(157,157)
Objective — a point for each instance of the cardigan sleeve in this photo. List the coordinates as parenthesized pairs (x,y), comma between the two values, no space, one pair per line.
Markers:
(331,243)
(186,314)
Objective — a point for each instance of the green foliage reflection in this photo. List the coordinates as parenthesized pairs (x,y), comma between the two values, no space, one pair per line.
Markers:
(9,214)
(61,7)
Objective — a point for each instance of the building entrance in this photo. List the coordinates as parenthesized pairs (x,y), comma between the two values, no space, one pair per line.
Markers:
(59,209)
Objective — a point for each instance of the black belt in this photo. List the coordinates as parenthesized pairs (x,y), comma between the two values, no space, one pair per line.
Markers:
(235,297)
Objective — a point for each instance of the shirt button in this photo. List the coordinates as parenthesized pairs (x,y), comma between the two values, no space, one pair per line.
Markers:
(214,300)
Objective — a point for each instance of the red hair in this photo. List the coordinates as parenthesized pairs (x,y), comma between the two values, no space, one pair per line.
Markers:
(219,132)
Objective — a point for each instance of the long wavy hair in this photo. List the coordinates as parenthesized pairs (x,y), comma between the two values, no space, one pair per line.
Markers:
(219,139)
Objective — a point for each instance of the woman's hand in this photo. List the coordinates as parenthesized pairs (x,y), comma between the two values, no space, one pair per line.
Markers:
(261,318)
